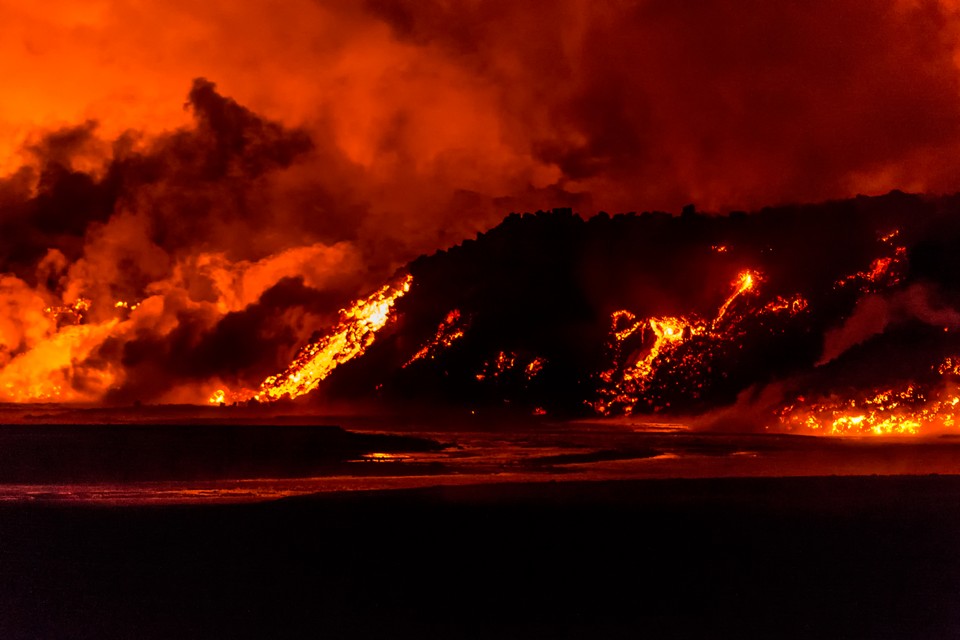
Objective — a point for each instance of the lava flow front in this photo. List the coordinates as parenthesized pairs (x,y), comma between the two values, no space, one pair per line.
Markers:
(357,329)
(684,345)
(913,408)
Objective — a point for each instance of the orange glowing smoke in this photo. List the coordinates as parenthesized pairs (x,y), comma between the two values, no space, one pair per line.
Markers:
(534,367)
(357,329)
(524,94)
(44,348)
(54,369)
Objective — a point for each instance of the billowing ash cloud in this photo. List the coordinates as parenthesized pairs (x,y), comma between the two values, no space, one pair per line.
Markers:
(658,102)
(140,267)
(433,119)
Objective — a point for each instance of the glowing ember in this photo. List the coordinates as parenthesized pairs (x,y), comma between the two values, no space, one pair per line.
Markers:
(508,362)
(350,338)
(684,344)
(534,367)
(69,313)
(502,363)
(449,331)
(624,324)
(746,282)
(908,409)
(123,304)
(898,411)
(949,366)
(792,306)
(668,332)
(47,372)
(882,272)
(887,238)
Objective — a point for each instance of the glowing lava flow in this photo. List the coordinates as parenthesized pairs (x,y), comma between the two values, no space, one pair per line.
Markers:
(534,367)
(908,409)
(449,331)
(884,271)
(624,386)
(351,336)
(48,371)
(54,363)
(668,333)
(897,411)
(746,281)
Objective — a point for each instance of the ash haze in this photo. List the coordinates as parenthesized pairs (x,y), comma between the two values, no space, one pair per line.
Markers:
(432,119)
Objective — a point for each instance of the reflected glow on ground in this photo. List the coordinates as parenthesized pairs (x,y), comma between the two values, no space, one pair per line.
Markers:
(544,452)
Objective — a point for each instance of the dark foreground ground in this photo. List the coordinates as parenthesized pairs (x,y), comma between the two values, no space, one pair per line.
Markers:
(829,557)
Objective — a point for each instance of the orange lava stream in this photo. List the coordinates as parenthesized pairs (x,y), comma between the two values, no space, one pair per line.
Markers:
(897,411)
(624,386)
(908,409)
(746,281)
(669,332)
(449,331)
(350,338)
(882,271)
(46,372)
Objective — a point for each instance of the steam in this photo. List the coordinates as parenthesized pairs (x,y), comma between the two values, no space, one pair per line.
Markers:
(439,118)
(874,313)
(172,246)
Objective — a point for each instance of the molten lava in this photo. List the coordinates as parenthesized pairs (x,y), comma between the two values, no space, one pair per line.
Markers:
(356,331)
(503,362)
(746,282)
(53,369)
(882,272)
(792,305)
(450,330)
(668,333)
(906,409)
(683,344)
(65,314)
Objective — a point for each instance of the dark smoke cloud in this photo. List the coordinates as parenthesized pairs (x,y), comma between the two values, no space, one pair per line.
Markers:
(431,120)
(189,186)
(195,224)
(663,102)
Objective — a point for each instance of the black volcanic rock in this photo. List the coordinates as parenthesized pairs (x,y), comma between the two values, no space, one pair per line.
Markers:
(543,286)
